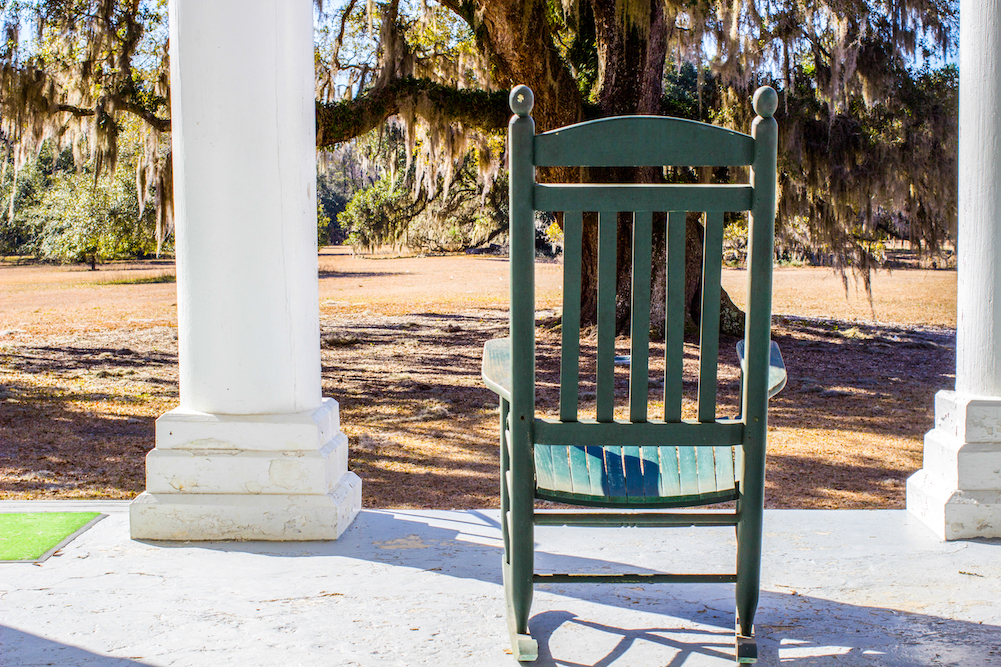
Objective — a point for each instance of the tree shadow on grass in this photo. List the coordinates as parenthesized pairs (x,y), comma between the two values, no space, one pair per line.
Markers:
(63,360)
(51,447)
(814,481)
(850,384)
(419,419)
(325,274)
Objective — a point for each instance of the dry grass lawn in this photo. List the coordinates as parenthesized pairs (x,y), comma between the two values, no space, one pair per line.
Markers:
(88,361)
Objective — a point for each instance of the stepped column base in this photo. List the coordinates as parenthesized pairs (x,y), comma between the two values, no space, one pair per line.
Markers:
(247,477)
(957,493)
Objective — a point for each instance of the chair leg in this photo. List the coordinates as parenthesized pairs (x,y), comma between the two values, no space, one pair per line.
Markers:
(748,580)
(524,648)
(517,528)
(519,564)
(519,567)
(505,466)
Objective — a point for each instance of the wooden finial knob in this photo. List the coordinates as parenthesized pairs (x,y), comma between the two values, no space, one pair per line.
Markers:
(766,101)
(522,100)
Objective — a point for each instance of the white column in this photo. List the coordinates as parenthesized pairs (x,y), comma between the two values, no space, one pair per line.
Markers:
(958,490)
(254,451)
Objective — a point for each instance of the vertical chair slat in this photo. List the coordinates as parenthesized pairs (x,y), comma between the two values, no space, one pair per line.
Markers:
(605,380)
(674,348)
(712,258)
(570,323)
(639,327)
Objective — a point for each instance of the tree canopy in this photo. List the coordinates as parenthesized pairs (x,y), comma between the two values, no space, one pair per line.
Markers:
(77,74)
(868,122)
(867,116)
(868,103)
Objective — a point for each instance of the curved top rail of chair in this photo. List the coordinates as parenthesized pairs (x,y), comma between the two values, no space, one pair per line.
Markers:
(643,141)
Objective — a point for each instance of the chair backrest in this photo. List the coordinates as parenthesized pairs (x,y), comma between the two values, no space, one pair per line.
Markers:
(641,141)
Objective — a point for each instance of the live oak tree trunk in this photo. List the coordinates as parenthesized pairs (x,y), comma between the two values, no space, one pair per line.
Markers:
(632,59)
(731,317)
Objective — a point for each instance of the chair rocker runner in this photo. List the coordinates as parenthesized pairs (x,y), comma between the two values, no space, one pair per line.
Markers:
(639,463)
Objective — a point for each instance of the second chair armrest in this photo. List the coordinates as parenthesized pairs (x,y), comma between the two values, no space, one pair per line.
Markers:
(776,368)
(497,366)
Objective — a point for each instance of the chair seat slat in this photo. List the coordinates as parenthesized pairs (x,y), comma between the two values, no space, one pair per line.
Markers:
(650,461)
(706,466)
(595,470)
(612,487)
(632,465)
(688,468)
(614,474)
(559,459)
(544,471)
(634,474)
(724,466)
(579,476)
(670,474)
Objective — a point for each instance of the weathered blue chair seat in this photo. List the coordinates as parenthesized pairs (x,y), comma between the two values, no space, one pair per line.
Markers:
(634,477)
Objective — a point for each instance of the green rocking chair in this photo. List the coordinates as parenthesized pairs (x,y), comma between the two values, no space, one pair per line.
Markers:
(640,463)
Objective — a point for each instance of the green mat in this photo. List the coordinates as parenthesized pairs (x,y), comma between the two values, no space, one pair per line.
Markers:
(36,536)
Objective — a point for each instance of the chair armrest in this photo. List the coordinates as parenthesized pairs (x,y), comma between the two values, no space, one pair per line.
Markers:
(497,366)
(776,368)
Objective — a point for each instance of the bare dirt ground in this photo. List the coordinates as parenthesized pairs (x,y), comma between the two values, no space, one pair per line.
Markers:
(88,361)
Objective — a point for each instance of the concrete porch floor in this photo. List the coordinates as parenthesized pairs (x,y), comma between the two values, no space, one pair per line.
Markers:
(423,587)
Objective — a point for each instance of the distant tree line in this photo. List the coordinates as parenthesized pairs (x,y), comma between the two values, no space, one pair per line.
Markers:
(59,209)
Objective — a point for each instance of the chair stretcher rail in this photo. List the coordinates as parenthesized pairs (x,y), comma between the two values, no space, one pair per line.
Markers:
(650,519)
(723,432)
(634,578)
(642,197)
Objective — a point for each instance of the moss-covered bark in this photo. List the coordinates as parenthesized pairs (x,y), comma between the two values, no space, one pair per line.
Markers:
(478,109)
